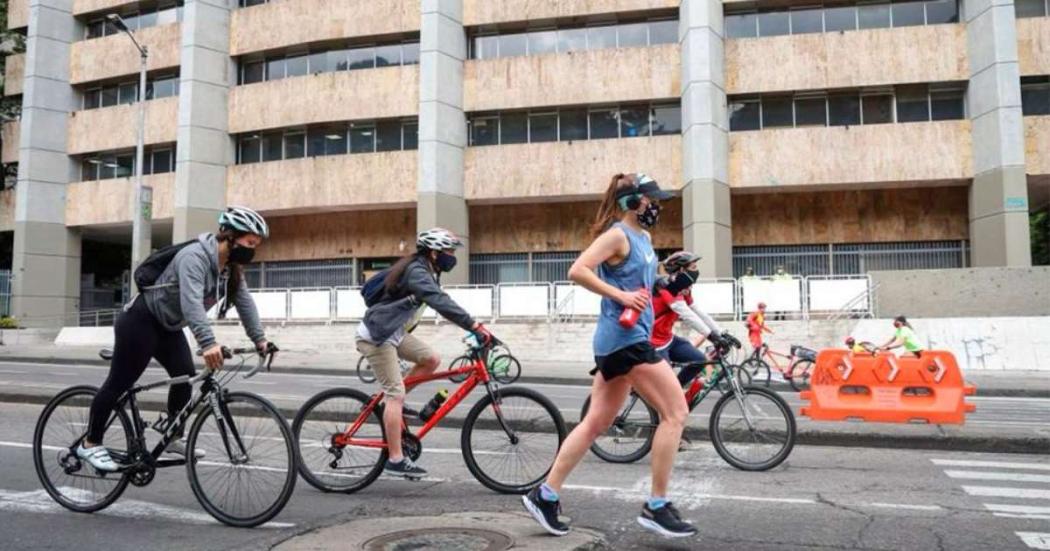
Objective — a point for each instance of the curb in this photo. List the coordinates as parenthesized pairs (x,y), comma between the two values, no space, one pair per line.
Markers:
(540,379)
(808,437)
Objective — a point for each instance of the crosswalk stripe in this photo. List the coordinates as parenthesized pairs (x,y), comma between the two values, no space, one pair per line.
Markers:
(991,464)
(1025,517)
(998,491)
(1012,477)
(1035,540)
(1020,509)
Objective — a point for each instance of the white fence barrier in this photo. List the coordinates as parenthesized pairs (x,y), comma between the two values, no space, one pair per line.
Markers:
(779,294)
(829,293)
(715,296)
(720,297)
(574,301)
(524,300)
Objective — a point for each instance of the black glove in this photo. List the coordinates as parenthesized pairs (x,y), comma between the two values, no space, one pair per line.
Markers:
(730,340)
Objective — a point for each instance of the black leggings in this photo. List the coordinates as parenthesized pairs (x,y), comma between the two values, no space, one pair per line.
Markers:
(138,338)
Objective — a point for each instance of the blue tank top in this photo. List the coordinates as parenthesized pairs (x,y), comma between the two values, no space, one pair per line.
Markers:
(637,271)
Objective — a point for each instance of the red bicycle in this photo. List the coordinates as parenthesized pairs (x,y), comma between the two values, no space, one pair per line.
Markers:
(509,438)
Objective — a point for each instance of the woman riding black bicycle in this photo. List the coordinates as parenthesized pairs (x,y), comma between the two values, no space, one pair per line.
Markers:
(151,324)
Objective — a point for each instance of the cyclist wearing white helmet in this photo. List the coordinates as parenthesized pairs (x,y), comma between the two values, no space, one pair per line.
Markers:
(187,284)
(384,335)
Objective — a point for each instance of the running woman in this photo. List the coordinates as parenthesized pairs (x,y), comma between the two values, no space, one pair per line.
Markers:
(620,265)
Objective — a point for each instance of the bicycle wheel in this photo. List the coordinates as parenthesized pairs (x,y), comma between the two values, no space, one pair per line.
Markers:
(500,463)
(242,489)
(800,372)
(630,437)
(73,483)
(364,371)
(758,370)
(459,363)
(331,468)
(506,369)
(758,441)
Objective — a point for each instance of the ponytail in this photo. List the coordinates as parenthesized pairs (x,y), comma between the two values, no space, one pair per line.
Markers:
(609,211)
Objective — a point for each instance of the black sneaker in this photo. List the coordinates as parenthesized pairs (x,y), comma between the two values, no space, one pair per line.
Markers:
(665,521)
(405,469)
(545,512)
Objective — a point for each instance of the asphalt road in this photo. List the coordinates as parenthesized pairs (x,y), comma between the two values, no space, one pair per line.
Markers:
(821,498)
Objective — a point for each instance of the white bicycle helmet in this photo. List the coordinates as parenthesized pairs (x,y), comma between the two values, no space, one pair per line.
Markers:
(437,239)
(244,219)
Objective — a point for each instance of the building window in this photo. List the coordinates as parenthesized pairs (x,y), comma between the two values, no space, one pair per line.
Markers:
(1031,8)
(905,103)
(327,139)
(548,125)
(108,165)
(125,93)
(1035,95)
(163,13)
(563,39)
(257,69)
(782,21)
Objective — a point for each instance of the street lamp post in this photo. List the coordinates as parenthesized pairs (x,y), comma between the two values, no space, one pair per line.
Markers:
(142,210)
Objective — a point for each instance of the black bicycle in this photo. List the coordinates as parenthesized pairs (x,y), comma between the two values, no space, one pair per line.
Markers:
(242,465)
(752,428)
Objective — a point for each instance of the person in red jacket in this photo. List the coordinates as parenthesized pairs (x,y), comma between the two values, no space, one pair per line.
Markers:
(756,325)
(673,301)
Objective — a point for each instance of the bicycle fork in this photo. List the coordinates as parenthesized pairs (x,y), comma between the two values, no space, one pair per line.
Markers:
(738,395)
(492,390)
(222,416)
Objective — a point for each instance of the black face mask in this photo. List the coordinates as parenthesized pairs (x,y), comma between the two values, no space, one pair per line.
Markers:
(648,217)
(241,255)
(681,281)
(445,262)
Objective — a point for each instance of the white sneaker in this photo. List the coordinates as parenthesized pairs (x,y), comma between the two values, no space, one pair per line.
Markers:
(178,447)
(98,457)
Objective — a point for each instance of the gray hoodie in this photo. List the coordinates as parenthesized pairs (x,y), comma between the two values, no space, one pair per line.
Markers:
(188,287)
(418,285)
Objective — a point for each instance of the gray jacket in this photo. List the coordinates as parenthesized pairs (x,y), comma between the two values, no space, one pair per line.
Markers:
(188,287)
(417,286)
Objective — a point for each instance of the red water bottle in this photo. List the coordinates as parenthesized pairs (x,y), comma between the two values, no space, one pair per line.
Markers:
(629,317)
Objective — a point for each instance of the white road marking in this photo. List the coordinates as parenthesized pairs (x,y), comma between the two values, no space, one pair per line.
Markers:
(27,445)
(1035,540)
(39,501)
(991,464)
(1020,509)
(13,372)
(1025,517)
(1012,477)
(997,491)
(903,506)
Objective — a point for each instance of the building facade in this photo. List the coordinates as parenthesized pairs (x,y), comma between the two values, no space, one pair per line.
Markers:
(834,138)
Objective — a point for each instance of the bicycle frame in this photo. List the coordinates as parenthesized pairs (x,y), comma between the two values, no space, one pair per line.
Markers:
(478,375)
(765,352)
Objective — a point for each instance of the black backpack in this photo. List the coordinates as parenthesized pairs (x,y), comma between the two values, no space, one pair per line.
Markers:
(374,289)
(150,269)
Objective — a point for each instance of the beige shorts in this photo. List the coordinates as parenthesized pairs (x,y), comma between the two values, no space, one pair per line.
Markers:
(383,359)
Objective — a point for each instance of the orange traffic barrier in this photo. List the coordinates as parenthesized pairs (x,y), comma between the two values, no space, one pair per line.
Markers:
(883,388)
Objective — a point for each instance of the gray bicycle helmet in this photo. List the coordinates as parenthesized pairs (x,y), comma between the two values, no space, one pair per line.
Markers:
(244,219)
(437,239)
(680,260)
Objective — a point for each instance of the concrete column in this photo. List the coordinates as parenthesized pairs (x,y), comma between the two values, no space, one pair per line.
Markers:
(706,219)
(999,194)
(443,126)
(204,146)
(46,275)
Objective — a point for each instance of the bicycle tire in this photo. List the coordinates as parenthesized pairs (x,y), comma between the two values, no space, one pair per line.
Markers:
(459,363)
(508,376)
(801,370)
(645,426)
(539,473)
(758,370)
(75,430)
(255,466)
(330,423)
(364,371)
(718,436)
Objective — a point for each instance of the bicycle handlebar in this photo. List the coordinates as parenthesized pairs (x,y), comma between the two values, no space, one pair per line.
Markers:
(265,358)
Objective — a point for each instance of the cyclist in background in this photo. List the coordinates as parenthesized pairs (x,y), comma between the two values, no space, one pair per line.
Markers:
(384,335)
(673,300)
(620,265)
(904,336)
(756,325)
(151,324)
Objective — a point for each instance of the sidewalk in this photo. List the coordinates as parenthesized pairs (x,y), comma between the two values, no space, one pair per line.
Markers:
(1032,384)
